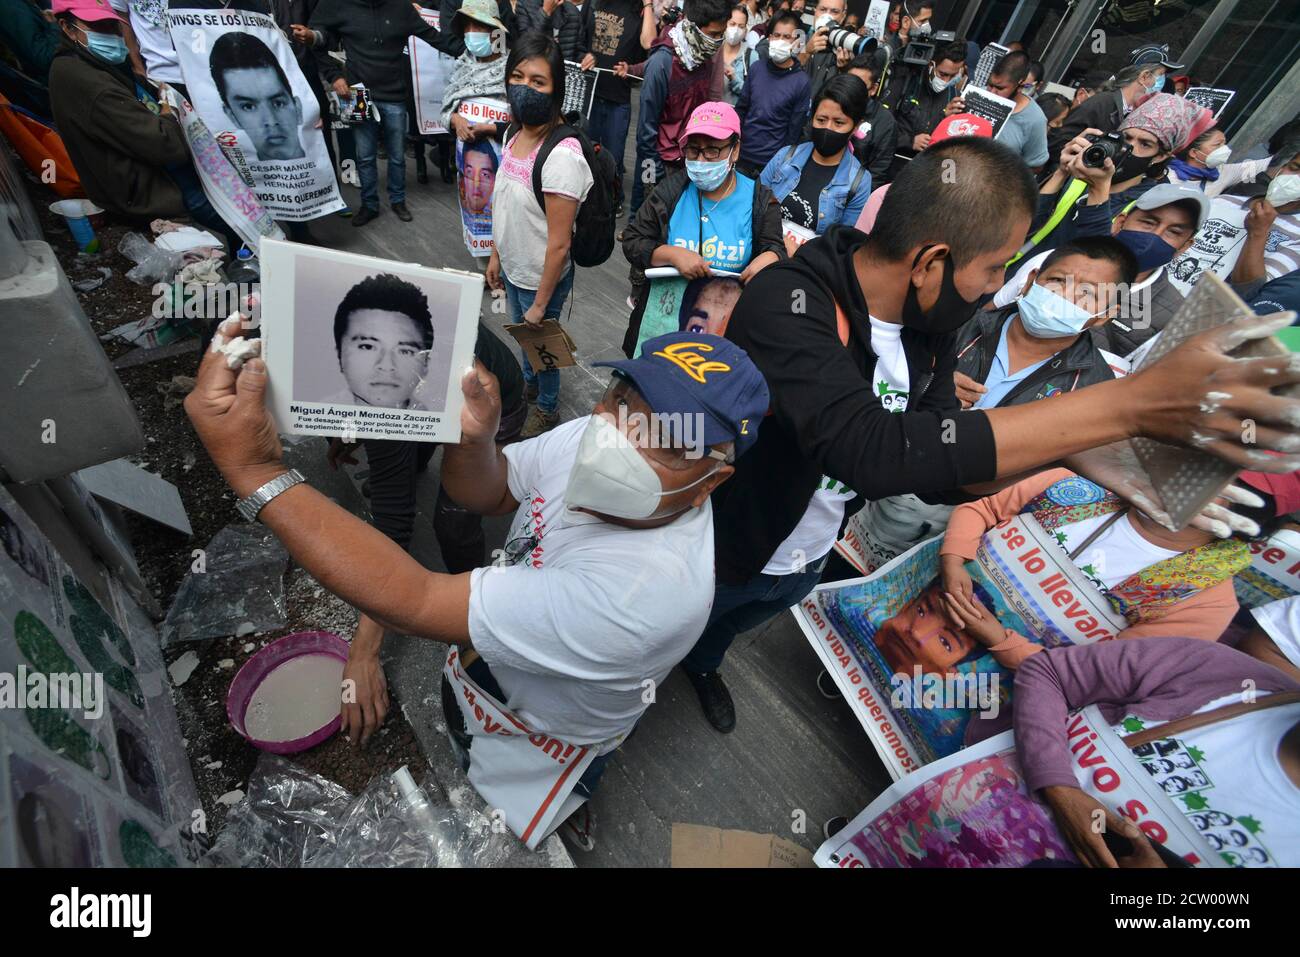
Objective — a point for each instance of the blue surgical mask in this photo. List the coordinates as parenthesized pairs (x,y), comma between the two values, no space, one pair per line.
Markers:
(1046,315)
(1151,251)
(708,176)
(106,46)
(479,44)
(1157,86)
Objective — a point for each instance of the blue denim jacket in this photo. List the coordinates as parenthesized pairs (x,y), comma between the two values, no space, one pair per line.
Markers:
(836,205)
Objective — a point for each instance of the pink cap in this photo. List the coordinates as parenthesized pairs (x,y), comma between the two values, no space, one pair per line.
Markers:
(87,10)
(718,120)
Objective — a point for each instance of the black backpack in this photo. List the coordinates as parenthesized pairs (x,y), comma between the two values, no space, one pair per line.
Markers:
(594,227)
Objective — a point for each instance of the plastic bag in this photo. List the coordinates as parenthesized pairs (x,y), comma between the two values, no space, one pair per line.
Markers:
(153,264)
(293,818)
(238,589)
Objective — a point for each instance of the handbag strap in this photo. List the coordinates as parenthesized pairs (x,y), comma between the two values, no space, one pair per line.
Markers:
(1225,713)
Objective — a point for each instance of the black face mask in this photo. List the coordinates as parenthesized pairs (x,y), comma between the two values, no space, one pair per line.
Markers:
(827,142)
(1131,167)
(950,311)
(530,107)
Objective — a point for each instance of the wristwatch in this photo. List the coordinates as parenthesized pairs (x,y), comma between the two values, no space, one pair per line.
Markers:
(250,507)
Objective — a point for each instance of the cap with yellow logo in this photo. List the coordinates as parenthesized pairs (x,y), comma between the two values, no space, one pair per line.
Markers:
(688,374)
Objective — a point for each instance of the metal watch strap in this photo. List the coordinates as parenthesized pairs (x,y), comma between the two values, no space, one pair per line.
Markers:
(250,507)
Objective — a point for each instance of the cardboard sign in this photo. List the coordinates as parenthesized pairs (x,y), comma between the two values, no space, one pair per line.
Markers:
(547,346)
(698,846)
(989,106)
(876,19)
(579,89)
(1213,100)
(989,58)
(430,70)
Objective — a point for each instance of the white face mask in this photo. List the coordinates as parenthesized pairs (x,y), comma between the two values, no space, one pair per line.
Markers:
(825,20)
(734,35)
(1217,157)
(779,50)
(610,476)
(920,29)
(1284,189)
(938,84)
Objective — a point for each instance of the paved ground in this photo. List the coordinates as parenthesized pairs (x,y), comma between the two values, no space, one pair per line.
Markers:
(795,756)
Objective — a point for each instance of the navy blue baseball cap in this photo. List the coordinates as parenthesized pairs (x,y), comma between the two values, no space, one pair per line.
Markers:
(695,373)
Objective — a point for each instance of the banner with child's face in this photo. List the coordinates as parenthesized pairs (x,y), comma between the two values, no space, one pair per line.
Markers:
(688,305)
(246,85)
(477,163)
(914,678)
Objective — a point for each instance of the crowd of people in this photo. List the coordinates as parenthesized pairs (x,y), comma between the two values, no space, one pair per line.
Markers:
(898,294)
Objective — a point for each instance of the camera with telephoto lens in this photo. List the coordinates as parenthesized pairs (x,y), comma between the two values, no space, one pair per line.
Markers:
(1106,146)
(839,38)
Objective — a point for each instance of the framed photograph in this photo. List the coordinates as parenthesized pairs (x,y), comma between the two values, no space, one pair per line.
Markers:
(365,348)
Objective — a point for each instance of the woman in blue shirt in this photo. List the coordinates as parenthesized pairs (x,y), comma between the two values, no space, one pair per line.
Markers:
(709,218)
(821,183)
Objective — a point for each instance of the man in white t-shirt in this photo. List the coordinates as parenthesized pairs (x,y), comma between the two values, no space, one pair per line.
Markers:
(1248,240)
(607,575)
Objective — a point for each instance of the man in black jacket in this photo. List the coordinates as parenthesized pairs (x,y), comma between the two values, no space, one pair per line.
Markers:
(373,34)
(875,151)
(931,98)
(855,336)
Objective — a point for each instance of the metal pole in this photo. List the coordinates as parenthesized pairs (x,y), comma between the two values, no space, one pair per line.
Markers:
(1074,31)
(1214,23)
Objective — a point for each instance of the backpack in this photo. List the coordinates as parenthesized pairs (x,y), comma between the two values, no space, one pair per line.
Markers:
(594,227)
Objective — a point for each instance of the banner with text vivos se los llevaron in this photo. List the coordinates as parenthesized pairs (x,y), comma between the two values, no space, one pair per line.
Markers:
(244,82)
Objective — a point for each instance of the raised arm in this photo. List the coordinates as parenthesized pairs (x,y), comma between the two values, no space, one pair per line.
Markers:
(353,560)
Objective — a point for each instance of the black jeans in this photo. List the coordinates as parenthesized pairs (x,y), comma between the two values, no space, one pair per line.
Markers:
(395,466)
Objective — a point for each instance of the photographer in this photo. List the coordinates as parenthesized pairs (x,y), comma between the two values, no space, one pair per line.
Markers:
(1086,191)
(917,114)
(821,60)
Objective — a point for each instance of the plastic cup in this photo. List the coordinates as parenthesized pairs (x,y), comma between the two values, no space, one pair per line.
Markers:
(76,213)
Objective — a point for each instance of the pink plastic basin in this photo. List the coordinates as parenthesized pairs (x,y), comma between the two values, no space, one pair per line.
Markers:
(255,671)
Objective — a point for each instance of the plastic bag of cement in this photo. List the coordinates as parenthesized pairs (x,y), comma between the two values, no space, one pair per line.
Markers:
(293,818)
(152,263)
(235,586)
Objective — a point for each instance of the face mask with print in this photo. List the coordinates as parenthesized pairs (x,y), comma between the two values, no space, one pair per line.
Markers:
(106,46)
(1284,189)
(706,175)
(735,35)
(528,106)
(1217,157)
(611,477)
(479,44)
(1045,315)
(779,51)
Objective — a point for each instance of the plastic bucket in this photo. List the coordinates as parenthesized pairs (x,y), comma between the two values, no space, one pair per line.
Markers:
(77,214)
(256,670)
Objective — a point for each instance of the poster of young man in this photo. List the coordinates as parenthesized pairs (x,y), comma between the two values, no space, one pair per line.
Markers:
(365,347)
(244,82)
(973,809)
(919,683)
(429,71)
(477,163)
(695,305)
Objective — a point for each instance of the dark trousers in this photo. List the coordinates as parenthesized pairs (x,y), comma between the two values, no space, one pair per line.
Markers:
(608,125)
(738,608)
(395,467)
